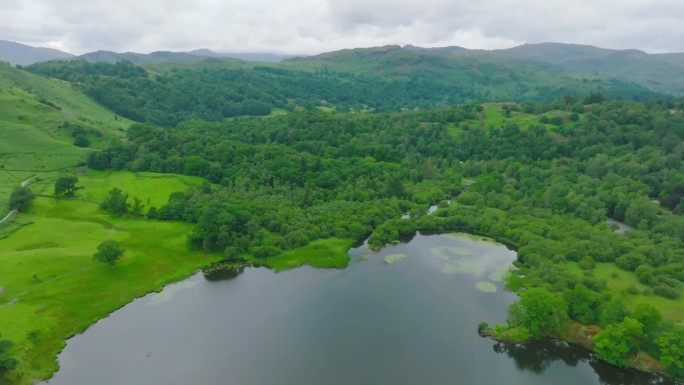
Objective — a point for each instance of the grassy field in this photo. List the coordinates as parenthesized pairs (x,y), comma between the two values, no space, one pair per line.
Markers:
(152,188)
(52,288)
(37,116)
(625,285)
(493,115)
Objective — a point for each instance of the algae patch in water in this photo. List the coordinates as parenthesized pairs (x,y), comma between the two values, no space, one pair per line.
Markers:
(461,251)
(438,252)
(486,287)
(447,253)
(394,258)
(499,274)
(463,266)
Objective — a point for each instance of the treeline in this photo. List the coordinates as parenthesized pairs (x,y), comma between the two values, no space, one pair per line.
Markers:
(213,93)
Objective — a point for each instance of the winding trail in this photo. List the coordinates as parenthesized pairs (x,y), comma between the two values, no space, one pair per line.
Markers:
(8,217)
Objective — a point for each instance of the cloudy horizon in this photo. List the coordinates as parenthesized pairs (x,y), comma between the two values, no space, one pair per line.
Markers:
(315,26)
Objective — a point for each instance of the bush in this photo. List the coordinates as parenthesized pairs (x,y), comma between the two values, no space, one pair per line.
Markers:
(587,263)
(666,291)
(81,141)
(21,199)
(265,251)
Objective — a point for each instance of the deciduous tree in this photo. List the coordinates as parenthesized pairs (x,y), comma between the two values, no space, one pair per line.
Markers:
(109,252)
(66,185)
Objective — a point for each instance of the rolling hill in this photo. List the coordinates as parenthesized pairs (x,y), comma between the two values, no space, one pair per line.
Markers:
(659,72)
(38,118)
(16,53)
(545,63)
(177,57)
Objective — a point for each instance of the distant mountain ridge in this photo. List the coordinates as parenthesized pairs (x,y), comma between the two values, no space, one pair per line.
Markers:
(17,53)
(662,73)
(178,57)
(247,56)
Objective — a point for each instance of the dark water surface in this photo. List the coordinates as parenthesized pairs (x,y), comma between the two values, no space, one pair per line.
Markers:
(413,321)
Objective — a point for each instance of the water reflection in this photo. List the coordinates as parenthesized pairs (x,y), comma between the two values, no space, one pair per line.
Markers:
(223,275)
(538,356)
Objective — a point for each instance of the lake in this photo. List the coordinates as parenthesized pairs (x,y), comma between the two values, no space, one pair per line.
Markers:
(405,315)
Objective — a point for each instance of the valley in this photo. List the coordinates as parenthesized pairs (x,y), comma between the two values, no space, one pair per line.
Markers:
(289,164)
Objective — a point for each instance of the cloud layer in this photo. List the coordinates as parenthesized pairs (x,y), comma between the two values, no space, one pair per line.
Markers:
(313,26)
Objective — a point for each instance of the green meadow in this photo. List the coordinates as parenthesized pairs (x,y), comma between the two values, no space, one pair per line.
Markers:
(52,288)
(153,189)
(493,115)
(625,285)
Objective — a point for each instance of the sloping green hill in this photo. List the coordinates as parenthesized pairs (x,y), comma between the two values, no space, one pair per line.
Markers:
(495,75)
(371,79)
(660,73)
(38,120)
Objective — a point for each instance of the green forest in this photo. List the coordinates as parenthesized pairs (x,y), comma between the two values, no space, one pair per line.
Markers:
(292,158)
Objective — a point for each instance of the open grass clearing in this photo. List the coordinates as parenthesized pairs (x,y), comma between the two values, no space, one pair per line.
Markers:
(493,115)
(152,188)
(52,287)
(625,285)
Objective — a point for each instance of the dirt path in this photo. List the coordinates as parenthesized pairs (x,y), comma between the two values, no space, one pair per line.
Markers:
(27,181)
(8,218)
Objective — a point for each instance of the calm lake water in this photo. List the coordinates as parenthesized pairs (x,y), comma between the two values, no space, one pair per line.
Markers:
(405,315)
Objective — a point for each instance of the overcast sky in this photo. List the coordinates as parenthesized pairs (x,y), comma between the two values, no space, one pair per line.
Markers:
(314,26)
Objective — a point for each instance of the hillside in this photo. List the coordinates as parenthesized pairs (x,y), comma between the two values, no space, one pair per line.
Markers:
(38,119)
(516,71)
(16,53)
(371,80)
(545,63)
(498,75)
(139,58)
(661,73)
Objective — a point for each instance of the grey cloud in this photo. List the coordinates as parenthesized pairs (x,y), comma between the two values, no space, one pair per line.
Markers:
(312,26)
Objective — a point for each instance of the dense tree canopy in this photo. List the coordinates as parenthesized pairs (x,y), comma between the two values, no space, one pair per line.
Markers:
(212,91)
(540,312)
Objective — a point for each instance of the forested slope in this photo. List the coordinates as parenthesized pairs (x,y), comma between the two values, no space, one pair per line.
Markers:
(369,80)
